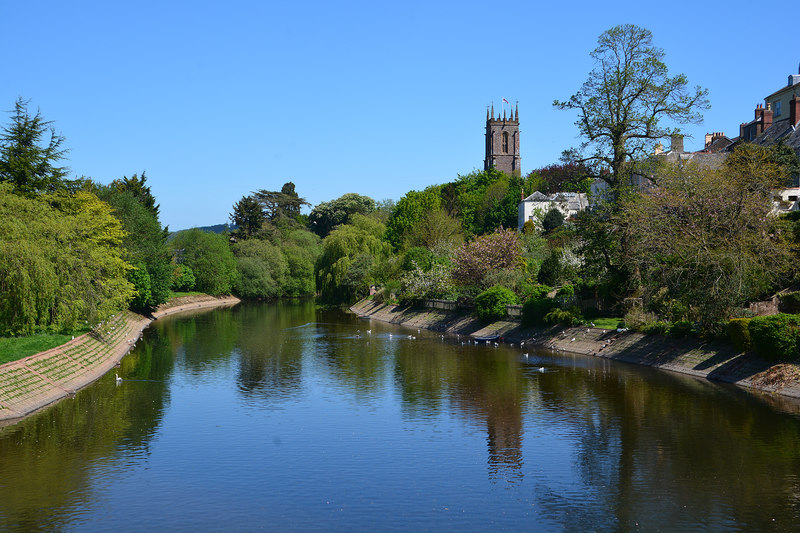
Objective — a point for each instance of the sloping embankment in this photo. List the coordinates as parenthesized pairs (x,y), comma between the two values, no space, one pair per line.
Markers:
(703,359)
(39,380)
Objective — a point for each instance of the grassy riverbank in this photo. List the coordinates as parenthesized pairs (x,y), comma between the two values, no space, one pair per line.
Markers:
(703,359)
(16,348)
(35,381)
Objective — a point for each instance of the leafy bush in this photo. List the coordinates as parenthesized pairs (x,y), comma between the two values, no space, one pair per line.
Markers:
(637,319)
(739,333)
(552,219)
(537,291)
(535,309)
(419,284)
(562,317)
(491,303)
(182,279)
(567,291)
(659,327)
(417,257)
(141,281)
(680,329)
(776,337)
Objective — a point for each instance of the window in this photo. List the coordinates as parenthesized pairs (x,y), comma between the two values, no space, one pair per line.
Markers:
(777,107)
(505,142)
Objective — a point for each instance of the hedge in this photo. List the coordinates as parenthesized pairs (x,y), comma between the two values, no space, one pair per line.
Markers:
(535,309)
(776,337)
(739,333)
(491,303)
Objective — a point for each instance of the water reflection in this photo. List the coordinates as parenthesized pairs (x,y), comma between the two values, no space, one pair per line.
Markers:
(47,461)
(391,422)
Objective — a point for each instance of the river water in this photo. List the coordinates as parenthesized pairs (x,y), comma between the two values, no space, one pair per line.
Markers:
(284,417)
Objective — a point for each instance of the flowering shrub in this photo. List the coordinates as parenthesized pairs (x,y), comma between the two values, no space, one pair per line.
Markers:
(486,253)
(418,284)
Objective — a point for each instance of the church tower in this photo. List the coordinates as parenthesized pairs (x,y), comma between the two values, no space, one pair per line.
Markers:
(502,141)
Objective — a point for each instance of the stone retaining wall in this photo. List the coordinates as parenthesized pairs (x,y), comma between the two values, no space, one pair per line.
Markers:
(703,359)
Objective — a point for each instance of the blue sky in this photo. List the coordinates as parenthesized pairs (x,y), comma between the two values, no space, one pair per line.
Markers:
(217,99)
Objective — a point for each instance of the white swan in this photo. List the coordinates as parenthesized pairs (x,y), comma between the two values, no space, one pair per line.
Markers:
(118,379)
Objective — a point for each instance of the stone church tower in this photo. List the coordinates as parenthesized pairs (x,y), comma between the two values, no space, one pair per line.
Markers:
(502,142)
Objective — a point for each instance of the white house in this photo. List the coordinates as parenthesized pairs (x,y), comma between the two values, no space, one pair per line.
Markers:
(537,204)
(785,200)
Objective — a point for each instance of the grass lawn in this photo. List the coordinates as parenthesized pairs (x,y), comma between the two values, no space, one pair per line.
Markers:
(14,348)
(606,323)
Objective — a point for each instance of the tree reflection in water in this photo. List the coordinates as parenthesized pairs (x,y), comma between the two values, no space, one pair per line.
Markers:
(586,445)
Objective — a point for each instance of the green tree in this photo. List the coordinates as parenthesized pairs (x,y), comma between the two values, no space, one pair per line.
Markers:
(60,261)
(182,278)
(301,249)
(435,229)
(283,203)
(561,177)
(408,211)
(145,244)
(706,236)
(248,216)
(263,269)
(327,215)
(483,201)
(344,247)
(209,257)
(138,188)
(29,152)
(622,103)
(552,220)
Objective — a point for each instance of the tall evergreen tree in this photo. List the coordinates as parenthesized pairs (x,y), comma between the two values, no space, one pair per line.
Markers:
(137,187)
(27,157)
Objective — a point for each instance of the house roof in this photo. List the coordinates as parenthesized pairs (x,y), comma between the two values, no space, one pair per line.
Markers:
(704,159)
(783,89)
(719,144)
(781,130)
(575,201)
(537,197)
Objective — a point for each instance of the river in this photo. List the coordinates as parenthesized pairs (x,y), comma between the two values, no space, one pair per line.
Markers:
(285,417)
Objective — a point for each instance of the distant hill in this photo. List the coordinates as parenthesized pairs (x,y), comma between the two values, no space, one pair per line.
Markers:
(218,228)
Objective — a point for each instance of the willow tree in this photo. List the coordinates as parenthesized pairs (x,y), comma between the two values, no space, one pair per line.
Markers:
(349,252)
(60,261)
(624,104)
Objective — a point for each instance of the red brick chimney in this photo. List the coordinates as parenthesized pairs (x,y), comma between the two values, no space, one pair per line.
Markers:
(759,118)
(794,110)
(768,117)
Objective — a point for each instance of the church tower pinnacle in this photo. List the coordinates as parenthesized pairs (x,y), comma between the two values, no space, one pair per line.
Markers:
(502,141)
